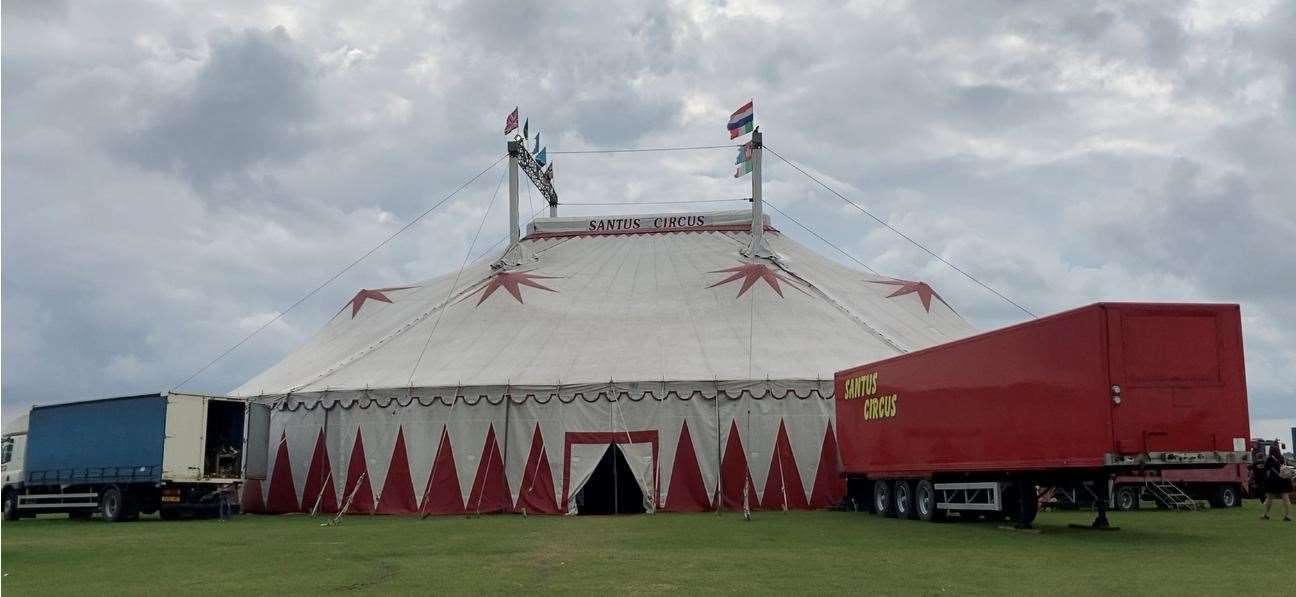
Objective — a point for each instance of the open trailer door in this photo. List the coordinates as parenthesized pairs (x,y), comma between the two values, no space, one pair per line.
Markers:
(182,443)
(256,446)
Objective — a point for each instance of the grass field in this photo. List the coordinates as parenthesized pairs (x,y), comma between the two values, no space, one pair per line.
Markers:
(1207,552)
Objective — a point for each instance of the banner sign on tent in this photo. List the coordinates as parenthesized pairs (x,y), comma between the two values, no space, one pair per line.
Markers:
(642,223)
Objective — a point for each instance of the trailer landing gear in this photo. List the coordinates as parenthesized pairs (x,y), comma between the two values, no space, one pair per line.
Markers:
(1101,497)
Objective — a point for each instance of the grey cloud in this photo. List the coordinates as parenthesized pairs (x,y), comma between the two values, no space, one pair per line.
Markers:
(252,101)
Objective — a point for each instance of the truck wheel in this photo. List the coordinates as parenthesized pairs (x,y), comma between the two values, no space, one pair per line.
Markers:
(112,505)
(1127,498)
(925,502)
(11,505)
(882,503)
(1027,506)
(1226,496)
(904,500)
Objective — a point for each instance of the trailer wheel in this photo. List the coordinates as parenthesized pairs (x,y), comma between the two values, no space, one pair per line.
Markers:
(112,505)
(1027,505)
(1127,498)
(882,503)
(925,502)
(1226,496)
(10,505)
(904,500)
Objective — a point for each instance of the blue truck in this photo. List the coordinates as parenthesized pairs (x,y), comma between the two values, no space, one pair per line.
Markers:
(173,454)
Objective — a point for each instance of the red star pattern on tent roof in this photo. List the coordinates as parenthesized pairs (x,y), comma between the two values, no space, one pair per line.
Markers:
(924,291)
(512,281)
(365,294)
(750,273)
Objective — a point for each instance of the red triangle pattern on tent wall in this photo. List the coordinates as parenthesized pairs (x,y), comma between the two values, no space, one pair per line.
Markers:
(537,492)
(687,492)
(490,490)
(251,503)
(784,477)
(734,473)
(442,494)
(829,487)
(319,480)
(363,502)
(397,495)
(283,494)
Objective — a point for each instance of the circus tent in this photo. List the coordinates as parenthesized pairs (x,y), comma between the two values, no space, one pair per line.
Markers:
(652,338)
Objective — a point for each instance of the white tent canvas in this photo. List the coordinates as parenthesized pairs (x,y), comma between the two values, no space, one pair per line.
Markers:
(643,326)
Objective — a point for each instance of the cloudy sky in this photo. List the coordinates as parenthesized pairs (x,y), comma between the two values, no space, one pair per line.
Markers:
(175,174)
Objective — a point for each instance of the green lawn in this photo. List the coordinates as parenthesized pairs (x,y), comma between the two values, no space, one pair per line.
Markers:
(1207,552)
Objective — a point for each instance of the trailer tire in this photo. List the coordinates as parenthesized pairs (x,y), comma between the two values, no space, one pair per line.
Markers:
(112,505)
(883,504)
(925,502)
(10,504)
(1127,498)
(904,500)
(1226,496)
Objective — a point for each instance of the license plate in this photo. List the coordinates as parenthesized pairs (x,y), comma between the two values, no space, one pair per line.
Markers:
(171,498)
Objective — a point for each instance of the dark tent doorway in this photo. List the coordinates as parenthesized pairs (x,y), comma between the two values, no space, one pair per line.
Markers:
(612,488)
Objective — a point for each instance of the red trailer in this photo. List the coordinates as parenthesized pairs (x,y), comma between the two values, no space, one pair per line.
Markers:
(1067,400)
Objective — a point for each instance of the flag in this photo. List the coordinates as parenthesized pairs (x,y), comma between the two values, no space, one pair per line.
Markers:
(510,123)
(743,169)
(526,126)
(537,145)
(741,122)
(549,173)
(540,157)
(744,153)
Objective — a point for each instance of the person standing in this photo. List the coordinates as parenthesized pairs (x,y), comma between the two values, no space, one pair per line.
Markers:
(1275,486)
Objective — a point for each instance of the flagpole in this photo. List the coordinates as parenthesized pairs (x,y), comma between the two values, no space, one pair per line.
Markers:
(758,247)
(514,148)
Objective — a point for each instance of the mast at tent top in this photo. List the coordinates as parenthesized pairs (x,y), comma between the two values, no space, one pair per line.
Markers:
(520,158)
(514,148)
(757,247)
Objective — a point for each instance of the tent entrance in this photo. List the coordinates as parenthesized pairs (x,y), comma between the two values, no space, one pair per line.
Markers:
(612,488)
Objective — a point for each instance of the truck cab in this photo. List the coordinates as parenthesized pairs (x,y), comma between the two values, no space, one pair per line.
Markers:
(13,445)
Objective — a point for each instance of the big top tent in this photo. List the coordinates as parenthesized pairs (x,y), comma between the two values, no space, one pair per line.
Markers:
(648,345)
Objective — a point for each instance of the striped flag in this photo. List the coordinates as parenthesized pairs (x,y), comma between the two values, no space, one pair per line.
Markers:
(548,174)
(742,121)
(744,153)
(510,124)
(744,160)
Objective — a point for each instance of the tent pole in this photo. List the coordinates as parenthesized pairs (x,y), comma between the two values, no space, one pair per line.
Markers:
(758,247)
(504,481)
(719,493)
(514,148)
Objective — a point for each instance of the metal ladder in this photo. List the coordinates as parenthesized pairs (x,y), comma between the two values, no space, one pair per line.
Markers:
(1170,495)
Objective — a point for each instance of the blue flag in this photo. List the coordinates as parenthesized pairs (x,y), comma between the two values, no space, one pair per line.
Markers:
(540,157)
